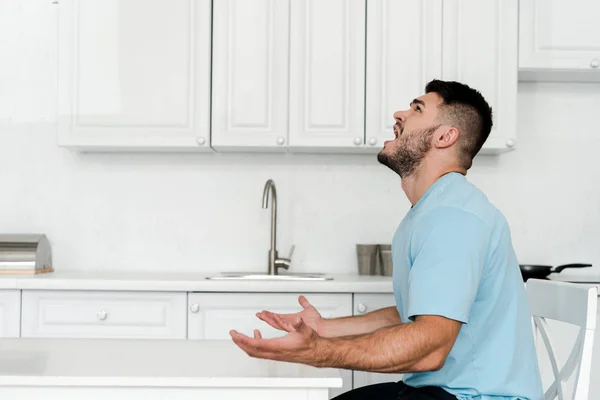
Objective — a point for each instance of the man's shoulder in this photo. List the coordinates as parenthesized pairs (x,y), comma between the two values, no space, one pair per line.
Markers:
(465,199)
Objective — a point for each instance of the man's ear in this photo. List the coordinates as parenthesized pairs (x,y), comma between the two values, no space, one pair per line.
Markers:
(446,136)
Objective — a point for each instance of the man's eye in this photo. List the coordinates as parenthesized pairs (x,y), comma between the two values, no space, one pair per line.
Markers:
(418,109)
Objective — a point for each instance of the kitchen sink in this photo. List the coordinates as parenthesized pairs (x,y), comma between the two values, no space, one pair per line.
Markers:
(288,276)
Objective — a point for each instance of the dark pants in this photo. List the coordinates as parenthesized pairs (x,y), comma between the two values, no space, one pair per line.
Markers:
(395,391)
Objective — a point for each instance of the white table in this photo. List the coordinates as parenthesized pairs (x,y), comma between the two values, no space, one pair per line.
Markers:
(115,369)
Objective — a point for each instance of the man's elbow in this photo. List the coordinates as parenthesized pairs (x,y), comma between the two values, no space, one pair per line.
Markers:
(433,362)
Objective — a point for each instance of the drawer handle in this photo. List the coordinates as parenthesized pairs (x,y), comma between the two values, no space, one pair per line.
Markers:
(361,308)
(102,315)
(194,308)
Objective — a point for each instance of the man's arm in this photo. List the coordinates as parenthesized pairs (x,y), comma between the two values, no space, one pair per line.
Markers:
(419,346)
(360,324)
(335,326)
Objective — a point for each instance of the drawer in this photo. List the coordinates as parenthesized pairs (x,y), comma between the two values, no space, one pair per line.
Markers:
(104,314)
(10,313)
(367,302)
(213,315)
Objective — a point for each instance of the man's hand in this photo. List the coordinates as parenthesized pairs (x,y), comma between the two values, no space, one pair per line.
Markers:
(284,322)
(300,345)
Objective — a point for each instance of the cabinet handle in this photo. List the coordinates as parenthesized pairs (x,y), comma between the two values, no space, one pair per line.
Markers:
(361,308)
(373,141)
(357,141)
(595,63)
(510,143)
(201,141)
(102,315)
(280,140)
(194,308)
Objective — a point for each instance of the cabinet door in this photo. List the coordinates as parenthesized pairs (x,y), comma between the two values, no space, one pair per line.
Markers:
(404,52)
(10,313)
(559,35)
(134,74)
(364,303)
(480,49)
(250,75)
(327,66)
(104,314)
(213,315)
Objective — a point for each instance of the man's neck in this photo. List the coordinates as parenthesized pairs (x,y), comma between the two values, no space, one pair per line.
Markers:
(416,185)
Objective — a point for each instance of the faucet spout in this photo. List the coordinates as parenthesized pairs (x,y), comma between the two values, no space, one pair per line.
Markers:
(275,262)
(270,189)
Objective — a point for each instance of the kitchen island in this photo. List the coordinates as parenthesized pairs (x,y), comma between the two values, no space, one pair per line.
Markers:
(116,369)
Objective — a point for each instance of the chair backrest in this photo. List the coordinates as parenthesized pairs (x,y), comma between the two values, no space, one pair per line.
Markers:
(575,304)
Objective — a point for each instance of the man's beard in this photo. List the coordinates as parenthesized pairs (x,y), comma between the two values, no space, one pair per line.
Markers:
(409,152)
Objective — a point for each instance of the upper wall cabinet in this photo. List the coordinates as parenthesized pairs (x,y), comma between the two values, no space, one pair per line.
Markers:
(559,39)
(327,74)
(250,75)
(288,74)
(404,52)
(134,75)
(480,48)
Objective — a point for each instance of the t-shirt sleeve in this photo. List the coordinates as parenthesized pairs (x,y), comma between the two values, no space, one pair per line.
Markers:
(451,247)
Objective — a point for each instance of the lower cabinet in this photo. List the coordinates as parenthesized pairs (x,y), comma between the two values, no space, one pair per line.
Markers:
(213,315)
(181,315)
(364,303)
(104,314)
(10,313)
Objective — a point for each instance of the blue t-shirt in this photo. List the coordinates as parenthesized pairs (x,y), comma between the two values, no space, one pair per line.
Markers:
(453,256)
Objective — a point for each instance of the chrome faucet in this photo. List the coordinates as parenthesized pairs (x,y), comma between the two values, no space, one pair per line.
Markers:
(274,261)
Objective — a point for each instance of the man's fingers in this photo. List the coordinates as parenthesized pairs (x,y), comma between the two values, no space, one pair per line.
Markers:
(303,302)
(285,325)
(270,319)
(257,334)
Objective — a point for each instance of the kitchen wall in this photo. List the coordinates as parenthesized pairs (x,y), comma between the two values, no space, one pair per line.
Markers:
(200,212)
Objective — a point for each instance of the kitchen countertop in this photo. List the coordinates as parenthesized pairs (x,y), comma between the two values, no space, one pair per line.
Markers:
(197,282)
(149,363)
(189,282)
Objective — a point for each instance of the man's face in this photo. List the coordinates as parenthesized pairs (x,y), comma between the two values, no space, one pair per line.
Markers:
(413,130)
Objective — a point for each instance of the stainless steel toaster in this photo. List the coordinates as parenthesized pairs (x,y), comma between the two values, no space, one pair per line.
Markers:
(25,253)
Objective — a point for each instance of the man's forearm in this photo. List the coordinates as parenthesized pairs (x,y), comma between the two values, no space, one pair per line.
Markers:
(398,348)
(360,324)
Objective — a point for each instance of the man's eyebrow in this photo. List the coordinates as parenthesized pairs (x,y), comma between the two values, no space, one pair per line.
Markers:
(417,101)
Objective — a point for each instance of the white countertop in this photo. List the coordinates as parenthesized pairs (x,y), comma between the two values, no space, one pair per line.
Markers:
(197,282)
(148,363)
(189,282)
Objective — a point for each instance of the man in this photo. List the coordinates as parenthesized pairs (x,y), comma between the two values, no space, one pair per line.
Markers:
(461,326)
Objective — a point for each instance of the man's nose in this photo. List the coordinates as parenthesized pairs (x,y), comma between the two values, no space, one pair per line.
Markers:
(400,116)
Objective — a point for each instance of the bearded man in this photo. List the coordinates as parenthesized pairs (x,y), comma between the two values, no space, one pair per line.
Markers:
(461,326)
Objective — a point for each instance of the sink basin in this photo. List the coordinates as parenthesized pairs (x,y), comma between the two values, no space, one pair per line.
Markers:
(298,276)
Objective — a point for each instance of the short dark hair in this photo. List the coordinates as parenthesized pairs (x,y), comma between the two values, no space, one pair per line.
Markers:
(464,108)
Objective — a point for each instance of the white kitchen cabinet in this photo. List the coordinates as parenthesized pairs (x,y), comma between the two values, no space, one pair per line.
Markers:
(556,36)
(134,75)
(480,48)
(213,315)
(364,303)
(327,75)
(250,75)
(404,52)
(10,313)
(104,314)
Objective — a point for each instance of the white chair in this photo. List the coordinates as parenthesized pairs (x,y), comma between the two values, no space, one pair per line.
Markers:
(574,304)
